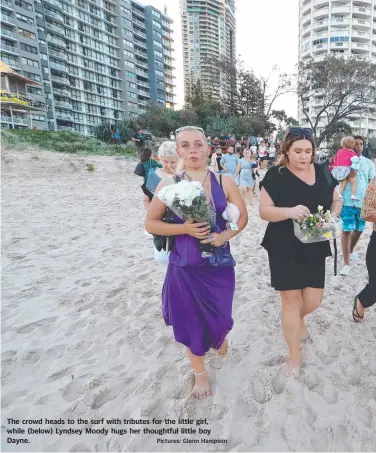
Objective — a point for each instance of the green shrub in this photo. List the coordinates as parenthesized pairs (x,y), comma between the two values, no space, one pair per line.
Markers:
(63,142)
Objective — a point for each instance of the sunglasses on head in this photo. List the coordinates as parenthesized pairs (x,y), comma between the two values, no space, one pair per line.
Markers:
(189,128)
(298,131)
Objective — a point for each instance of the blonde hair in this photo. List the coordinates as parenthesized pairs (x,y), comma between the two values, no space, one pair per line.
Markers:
(181,165)
(348,143)
(167,149)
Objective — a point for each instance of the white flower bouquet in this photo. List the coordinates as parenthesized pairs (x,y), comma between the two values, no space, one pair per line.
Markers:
(319,227)
(188,200)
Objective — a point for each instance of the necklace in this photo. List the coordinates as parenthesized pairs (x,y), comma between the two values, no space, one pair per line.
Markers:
(203,182)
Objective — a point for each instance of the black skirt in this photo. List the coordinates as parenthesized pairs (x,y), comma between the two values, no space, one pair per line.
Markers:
(287,275)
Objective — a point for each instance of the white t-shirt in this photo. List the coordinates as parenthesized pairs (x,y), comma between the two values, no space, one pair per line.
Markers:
(254,149)
(272,151)
(262,151)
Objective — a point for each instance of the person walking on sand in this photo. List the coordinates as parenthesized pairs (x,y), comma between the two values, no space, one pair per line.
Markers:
(353,224)
(291,190)
(244,177)
(197,297)
(367,297)
(229,162)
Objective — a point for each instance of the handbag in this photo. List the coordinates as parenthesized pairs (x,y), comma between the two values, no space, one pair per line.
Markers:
(139,170)
(166,242)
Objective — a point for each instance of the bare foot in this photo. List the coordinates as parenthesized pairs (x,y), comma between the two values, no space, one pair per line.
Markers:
(201,388)
(292,369)
(223,350)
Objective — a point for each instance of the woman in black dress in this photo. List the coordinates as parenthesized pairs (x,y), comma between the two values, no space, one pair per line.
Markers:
(292,190)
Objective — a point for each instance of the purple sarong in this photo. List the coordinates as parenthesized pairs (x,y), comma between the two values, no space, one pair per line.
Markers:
(197,297)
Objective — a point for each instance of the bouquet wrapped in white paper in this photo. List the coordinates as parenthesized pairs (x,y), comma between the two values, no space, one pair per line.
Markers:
(319,227)
(188,200)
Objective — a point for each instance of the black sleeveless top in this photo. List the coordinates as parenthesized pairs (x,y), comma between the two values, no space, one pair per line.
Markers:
(287,190)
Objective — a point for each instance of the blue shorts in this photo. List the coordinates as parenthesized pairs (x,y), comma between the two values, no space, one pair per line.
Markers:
(352,221)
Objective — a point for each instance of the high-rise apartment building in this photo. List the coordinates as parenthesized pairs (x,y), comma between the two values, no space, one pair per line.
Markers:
(338,27)
(209,35)
(96,59)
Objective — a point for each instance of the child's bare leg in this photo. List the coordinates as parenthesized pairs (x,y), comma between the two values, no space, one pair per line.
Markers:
(352,181)
(342,186)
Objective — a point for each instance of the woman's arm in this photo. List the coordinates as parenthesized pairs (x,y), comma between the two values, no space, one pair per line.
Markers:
(336,206)
(146,202)
(269,212)
(233,196)
(237,170)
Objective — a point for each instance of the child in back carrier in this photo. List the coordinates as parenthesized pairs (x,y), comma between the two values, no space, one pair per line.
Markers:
(345,166)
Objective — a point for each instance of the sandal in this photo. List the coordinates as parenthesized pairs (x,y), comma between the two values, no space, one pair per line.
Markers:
(356,316)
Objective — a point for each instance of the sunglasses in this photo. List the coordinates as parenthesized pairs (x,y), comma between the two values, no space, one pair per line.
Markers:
(298,131)
(189,128)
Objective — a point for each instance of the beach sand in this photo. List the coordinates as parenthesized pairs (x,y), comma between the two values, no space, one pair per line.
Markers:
(83,335)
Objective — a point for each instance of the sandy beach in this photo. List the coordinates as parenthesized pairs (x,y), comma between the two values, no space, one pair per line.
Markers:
(83,334)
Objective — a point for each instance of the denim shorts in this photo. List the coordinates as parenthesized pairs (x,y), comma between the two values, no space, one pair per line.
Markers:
(351,219)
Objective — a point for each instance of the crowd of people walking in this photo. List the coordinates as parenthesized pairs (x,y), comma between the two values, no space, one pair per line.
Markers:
(197,295)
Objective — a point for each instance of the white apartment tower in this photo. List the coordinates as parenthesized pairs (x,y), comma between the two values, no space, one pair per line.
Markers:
(338,27)
(209,34)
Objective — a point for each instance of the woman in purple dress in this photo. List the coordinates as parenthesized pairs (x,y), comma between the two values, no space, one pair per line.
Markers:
(197,297)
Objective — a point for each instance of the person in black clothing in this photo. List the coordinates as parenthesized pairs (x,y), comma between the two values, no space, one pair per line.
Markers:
(138,139)
(291,190)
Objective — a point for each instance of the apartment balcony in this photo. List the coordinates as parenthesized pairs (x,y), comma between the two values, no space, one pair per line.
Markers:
(317,3)
(339,45)
(142,64)
(19,120)
(169,62)
(58,67)
(142,102)
(167,43)
(139,33)
(62,92)
(60,80)
(306,9)
(60,55)
(65,128)
(57,41)
(55,28)
(361,11)
(10,49)
(320,47)
(170,99)
(143,84)
(360,47)
(55,16)
(140,43)
(361,24)
(14,64)
(140,53)
(306,20)
(141,73)
(55,3)
(7,19)
(64,116)
(7,5)
(322,13)
(341,10)
(138,13)
(139,22)
(8,34)
(362,35)
(63,105)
